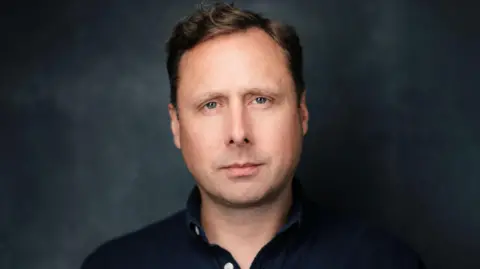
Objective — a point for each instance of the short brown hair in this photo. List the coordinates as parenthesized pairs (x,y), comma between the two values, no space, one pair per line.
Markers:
(209,21)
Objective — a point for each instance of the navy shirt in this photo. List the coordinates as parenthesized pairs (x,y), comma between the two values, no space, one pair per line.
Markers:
(310,239)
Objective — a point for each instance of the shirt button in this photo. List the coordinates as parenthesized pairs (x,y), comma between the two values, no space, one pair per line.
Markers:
(197,231)
(228,265)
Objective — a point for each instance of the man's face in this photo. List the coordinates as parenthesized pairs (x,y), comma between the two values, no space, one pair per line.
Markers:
(237,106)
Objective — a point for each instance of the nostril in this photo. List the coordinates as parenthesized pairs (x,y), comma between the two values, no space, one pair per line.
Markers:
(243,141)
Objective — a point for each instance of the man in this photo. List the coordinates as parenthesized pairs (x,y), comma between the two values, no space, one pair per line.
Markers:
(238,114)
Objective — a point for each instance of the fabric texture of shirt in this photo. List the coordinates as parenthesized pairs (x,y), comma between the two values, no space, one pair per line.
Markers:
(311,238)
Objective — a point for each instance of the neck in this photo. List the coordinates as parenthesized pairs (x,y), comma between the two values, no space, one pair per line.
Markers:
(245,230)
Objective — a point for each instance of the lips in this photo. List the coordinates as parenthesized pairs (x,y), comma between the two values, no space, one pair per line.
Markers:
(241,165)
(242,170)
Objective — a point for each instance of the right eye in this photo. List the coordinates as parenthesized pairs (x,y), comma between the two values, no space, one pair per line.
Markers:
(210,105)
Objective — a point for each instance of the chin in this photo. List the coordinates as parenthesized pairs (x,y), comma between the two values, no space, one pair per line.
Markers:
(245,198)
(243,202)
(244,192)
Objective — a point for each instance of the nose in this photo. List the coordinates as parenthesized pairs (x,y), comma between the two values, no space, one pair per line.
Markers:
(239,128)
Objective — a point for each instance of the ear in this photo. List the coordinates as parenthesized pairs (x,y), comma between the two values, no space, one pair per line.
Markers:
(304,116)
(174,125)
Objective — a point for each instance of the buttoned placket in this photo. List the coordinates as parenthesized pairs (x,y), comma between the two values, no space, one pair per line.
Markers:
(222,257)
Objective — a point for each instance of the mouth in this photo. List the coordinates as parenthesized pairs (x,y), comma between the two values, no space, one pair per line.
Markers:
(242,169)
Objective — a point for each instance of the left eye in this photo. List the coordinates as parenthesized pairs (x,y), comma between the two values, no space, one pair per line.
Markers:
(261,100)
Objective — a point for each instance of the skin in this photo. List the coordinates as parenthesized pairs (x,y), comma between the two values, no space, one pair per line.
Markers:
(237,104)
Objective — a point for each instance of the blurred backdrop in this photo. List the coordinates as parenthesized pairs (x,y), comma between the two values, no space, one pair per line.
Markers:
(86,152)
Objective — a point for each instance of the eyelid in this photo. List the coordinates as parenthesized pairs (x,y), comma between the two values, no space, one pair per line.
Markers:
(269,99)
(215,100)
(203,105)
(210,101)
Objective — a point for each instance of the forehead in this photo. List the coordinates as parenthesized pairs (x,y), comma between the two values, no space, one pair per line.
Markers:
(244,60)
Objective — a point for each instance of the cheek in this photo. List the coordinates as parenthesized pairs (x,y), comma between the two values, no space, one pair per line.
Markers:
(200,140)
(280,136)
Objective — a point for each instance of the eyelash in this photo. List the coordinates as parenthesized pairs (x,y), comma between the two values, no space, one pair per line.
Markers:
(209,102)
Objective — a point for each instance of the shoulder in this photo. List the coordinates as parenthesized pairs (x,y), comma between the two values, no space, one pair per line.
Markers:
(148,244)
(361,244)
(374,246)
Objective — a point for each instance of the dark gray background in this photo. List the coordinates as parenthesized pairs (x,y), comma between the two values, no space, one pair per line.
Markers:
(86,151)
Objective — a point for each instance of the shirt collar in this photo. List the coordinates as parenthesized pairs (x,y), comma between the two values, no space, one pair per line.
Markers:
(194,200)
